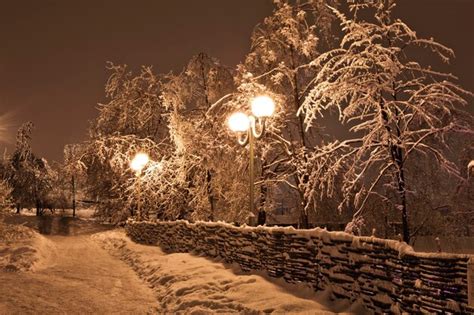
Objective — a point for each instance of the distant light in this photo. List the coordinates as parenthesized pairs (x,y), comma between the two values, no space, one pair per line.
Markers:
(239,122)
(262,106)
(139,161)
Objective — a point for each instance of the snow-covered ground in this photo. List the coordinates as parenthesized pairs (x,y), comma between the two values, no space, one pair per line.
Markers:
(20,248)
(83,213)
(72,275)
(449,244)
(183,282)
(459,245)
(84,267)
(91,271)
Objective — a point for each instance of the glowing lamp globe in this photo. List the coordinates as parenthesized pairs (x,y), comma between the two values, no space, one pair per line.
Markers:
(239,122)
(262,106)
(139,161)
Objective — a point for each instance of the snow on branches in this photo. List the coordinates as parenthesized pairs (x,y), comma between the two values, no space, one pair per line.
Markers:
(393,104)
(133,120)
(394,111)
(282,49)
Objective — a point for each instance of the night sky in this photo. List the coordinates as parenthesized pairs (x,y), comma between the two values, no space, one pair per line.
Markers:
(53,53)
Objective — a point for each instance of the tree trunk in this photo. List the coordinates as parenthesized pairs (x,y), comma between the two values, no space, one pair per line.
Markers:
(304,220)
(73,184)
(38,208)
(399,159)
(396,152)
(262,215)
(210,196)
(263,200)
(403,199)
(18,208)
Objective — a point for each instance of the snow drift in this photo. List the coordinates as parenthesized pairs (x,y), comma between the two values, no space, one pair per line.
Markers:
(23,249)
(186,283)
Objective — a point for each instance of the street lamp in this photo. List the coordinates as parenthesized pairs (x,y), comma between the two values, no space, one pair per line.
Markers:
(249,128)
(137,164)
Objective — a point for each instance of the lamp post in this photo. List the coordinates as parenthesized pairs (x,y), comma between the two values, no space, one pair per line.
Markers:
(249,128)
(137,164)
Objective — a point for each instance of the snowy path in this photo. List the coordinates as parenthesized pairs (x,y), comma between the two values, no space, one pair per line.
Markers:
(78,277)
(183,282)
(106,273)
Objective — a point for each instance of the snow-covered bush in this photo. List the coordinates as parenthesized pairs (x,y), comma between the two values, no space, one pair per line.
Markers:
(30,176)
(5,195)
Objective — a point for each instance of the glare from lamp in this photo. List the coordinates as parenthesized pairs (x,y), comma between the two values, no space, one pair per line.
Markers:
(262,106)
(139,161)
(239,122)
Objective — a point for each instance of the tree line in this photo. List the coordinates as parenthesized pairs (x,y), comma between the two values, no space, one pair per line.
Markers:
(365,131)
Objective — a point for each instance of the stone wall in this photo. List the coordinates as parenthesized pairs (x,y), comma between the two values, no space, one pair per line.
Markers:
(387,275)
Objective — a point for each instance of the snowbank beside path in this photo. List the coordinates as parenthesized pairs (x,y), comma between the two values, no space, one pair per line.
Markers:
(190,284)
(76,276)
(22,249)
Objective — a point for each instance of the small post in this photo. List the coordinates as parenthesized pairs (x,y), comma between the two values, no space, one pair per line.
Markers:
(438,244)
(399,236)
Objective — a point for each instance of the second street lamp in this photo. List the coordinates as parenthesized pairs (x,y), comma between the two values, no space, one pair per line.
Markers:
(137,164)
(249,128)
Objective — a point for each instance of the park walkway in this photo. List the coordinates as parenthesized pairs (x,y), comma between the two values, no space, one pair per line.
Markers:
(91,271)
(79,277)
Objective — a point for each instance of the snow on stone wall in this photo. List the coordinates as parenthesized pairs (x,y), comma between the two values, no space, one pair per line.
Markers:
(387,275)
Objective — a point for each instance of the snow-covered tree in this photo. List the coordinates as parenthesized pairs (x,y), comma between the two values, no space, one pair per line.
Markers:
(5,194)
(134,107)
(132,121)
(282,50)
(30,176)
(397,108)
(5,187)
(196,133)
(201,172)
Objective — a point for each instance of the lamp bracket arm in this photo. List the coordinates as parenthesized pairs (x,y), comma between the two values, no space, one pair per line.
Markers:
(243,138)
(258,127)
